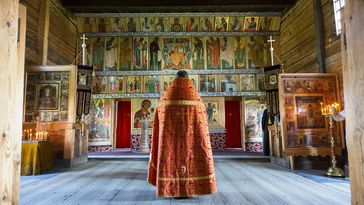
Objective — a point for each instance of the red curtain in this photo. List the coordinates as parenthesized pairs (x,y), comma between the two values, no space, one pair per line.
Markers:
(123,133)
(232,124)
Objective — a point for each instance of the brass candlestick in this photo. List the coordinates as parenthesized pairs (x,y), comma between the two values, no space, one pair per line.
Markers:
(333,171)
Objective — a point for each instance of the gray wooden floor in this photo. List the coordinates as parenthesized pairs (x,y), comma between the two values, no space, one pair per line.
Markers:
(124,182)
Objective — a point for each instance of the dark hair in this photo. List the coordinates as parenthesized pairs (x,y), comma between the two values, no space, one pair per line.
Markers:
(146,102)
(182,74)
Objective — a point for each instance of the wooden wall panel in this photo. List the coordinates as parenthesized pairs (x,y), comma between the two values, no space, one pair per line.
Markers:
(298,39)
(62,37)
(354,89)
(31,50)
(11,85)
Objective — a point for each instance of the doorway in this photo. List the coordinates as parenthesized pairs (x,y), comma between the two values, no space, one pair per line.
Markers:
(123,124)
(232,124)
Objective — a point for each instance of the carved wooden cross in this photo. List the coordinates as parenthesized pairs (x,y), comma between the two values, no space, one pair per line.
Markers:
(83,37)
(271,49)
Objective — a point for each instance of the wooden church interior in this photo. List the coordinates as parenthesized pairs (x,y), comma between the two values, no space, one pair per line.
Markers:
(78,76)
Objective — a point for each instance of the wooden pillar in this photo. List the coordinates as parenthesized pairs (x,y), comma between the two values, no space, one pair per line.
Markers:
(43,32)
(11,103)
(320,35)
(354,88)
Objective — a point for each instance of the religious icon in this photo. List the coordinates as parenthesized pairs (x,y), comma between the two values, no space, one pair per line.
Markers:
(212,111)
(96,85)
(133,84)
(113,84)
(192,24)
(140,48)
(221,24)
(100,120)
(207,83)
(213,52)
(239,51)
(47,96)
(104,84)
(111,54)
(260,78)
(118,24)
(247,82)
(176,53)
(265,51)
(198,53)
(103,24)
(125,50)
(308,110)
(56,116)
(132,24)
(147,24)
(194,80)
(176,24)
(227,53)
(236,23)
(88,24)
(98,46)
(162,24)
(143,108)
(151,84)
(253,52)
(155,53)
(253,116)
(120,84)
(206,24)
(166,81)
(229,83)
(251,23)
(265,23)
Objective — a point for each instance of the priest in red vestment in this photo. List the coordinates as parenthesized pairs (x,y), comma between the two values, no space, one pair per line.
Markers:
(181,162)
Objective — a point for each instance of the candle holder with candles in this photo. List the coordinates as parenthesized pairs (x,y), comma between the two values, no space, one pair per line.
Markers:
(32,135)
(333,170)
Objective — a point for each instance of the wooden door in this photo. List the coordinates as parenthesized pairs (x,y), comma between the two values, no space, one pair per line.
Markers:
(232,124)
(123,129)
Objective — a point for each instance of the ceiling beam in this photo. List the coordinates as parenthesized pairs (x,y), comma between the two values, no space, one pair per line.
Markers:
(136,6)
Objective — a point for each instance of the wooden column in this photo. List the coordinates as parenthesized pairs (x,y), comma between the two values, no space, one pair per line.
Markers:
(11,102)
(320,35)
(354,89)
(43,32)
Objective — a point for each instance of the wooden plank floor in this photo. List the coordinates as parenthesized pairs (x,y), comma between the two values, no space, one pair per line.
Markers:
(124,182)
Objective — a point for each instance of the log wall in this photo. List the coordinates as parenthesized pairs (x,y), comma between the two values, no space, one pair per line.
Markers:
(298,39)
(57,41)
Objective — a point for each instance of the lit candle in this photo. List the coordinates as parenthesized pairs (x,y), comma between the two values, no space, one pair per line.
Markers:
(46,135)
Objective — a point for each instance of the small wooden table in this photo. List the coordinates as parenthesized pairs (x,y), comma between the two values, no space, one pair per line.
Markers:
(36,157)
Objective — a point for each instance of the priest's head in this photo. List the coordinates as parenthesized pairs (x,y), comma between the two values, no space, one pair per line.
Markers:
(182,74)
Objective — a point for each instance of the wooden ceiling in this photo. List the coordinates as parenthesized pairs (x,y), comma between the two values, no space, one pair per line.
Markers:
(163,6)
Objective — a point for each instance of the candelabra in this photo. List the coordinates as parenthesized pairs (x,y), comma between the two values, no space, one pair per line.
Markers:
(333,170)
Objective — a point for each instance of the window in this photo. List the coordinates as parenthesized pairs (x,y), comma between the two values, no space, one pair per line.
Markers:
(338,5)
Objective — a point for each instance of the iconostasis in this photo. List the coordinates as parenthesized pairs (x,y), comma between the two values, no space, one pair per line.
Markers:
(136,56)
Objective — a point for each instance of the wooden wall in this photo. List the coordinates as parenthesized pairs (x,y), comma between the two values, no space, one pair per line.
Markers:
(298,39)
(56,41)
(12,49)
(354,89)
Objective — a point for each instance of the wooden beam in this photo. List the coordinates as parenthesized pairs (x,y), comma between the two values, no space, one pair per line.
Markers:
(158,6)
(11,88)
(320,35)
(354,88)
(43,31)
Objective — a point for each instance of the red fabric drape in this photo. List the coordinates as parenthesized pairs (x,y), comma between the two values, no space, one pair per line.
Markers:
(181,162)
(123,125)
(232,124)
